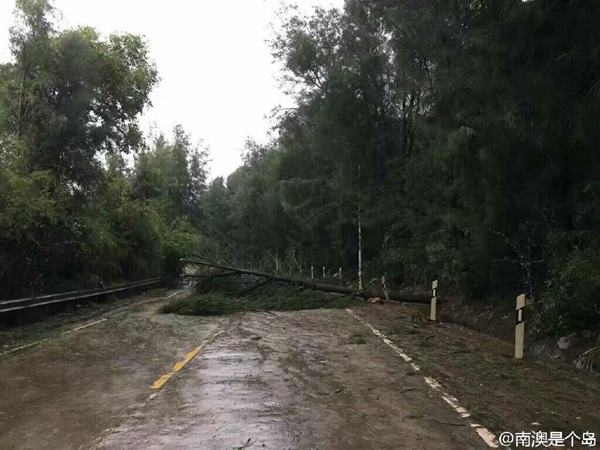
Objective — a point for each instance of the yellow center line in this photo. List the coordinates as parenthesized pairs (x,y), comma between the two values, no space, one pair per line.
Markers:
(193,353)
(162,380)
(177,367)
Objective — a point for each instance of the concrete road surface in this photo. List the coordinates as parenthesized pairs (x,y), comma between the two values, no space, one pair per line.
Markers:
(141,380)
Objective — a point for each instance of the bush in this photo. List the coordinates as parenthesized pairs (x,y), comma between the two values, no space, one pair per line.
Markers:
(213,304)
(570,301)
(179,241)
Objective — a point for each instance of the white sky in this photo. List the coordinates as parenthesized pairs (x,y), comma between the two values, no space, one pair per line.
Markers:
(218,76)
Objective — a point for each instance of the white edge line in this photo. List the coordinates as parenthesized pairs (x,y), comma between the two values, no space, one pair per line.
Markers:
(488,437)
(89,325)
(23,347)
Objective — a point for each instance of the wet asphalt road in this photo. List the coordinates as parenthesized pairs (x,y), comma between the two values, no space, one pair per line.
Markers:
(302,380)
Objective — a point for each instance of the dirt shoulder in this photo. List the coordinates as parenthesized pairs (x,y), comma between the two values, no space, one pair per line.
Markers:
(497,319)
(480,371)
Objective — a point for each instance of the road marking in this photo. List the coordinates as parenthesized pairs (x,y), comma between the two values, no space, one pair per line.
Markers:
(32,344)
(193,353)
(110,316)
(385,339)
(85,326)
(178,366)
(22,347)
(175,293)
(488,437)
(161,381)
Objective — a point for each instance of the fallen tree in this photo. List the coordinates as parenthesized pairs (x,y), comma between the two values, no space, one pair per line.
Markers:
(309,284)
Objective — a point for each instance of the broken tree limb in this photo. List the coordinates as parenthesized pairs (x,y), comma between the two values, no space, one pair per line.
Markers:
(215,275)
(308,284)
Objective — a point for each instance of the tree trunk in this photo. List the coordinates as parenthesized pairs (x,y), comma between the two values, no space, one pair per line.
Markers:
(396,296)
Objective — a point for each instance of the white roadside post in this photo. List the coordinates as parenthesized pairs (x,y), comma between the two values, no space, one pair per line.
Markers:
(340,275)
(323,271)
(433,313)
(312,272)
(520,328)
(385,289)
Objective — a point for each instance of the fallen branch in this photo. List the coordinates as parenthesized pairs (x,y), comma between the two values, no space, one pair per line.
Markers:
(247,308)
(394,296)
(210,275)
(236,305)
(255,289)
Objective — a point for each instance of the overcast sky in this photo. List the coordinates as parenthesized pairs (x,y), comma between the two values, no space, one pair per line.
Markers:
(218,77)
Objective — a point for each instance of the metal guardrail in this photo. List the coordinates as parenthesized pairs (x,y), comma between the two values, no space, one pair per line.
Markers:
(32,302)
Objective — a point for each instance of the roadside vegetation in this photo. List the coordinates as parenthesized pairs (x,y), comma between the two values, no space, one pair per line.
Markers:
(220,297)
(463,135)
(84,197)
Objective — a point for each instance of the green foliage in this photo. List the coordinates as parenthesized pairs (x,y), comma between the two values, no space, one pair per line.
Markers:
(181,240)
(223,300)
(464,135)
(73,95)
(213,304)
(570,301)
(26,212)
(72,214)
(172,174)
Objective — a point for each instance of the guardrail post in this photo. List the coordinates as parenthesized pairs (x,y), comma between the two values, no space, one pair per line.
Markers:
(312,272)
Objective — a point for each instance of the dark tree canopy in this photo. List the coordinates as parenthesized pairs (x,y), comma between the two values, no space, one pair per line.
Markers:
(462,134)
(71,210)
(465,135)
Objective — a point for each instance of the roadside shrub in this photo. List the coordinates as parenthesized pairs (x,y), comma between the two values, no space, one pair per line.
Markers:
(570,301)
(179,240)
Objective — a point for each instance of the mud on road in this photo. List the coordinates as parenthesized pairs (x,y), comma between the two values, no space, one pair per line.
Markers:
(294,381)
(302,380)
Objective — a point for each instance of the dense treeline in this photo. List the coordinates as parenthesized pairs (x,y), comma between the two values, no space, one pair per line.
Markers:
(464,133)
(72,212)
